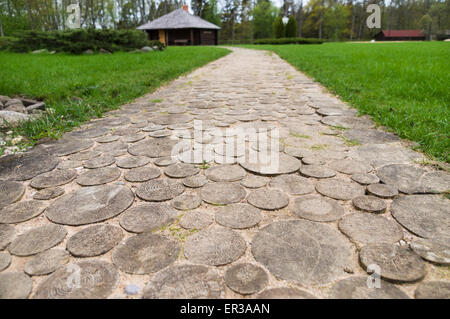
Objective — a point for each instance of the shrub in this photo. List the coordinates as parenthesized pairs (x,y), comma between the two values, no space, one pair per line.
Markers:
(289,41)
(5,42)
(278,28)
(291,28)
(80,40)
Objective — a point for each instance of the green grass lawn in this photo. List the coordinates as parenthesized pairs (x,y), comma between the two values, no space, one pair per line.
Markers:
(81,87)
(404,86)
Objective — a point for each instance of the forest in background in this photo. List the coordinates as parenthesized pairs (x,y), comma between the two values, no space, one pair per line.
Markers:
(242,21)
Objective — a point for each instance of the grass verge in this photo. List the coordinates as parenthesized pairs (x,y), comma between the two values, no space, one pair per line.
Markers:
(77,88)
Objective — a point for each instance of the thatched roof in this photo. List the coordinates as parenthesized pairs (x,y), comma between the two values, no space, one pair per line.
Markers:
(178,19)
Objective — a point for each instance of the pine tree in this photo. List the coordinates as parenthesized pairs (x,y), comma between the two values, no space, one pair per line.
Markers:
(291,28)
(278,28)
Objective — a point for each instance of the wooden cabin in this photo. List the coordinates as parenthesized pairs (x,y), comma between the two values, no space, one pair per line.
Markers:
(400,35)
(182,28)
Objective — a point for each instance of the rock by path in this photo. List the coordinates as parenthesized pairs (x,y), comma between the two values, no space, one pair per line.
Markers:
(262,198)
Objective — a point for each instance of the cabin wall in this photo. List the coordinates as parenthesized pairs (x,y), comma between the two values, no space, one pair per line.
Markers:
(190,36)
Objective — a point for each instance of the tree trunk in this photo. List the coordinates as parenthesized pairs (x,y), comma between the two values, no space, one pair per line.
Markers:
(352,30)
(300,19)
(1,28)
(321,19)
(30,16)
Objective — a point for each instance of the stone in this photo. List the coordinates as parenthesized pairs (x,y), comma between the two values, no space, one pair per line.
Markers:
(142,174)
(382,190)
(214,246)
(91,132)
(94,240)
(411,180)
(11,118)
(146,49)
(314,160)
(46,262)
(133,162)
(10,192)
(268,199)
(285,293)
(84,156)
(292,184)
(164,161)
(246,278)
(196,220)
(436,250)
(7,234)
(157,147)
(339,189)
(303,252)
(433,290)
(254,181)
(297,152)
(147,217)
(21,211)
(185,281)
(145,253)
(68,147)
(365,179)
(53,179)
(370,229)
(101,161)
(69,165)
(317,208)
(159,190)
(397,263)
(370,204)
(186,201)
(161,133)
(181,170)
(39,106)
(172,119)
(285,164)
(88,52)
(195,181)
(98,279)
(15,285)
(357,288)
(222,193)
(126,131)
(22,167)
(37,240)
(225,173)
(112,149)
(90,205)
(383,154)
(349,166)
(49,193)
(99,176)
(347,121)
(5,260)
(132,290)
(238,216)
(107,139)
(424,215)
(368,136)
(317,171)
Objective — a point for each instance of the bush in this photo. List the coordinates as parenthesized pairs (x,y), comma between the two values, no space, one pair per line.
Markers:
(80,40)
(5,42)
(291,28)
(289,41)
(278,28)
